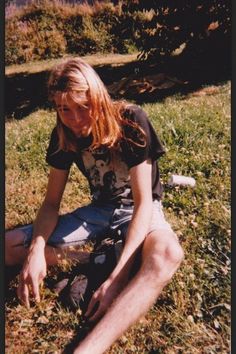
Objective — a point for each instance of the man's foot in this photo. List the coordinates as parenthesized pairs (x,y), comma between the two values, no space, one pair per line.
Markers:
(77,287)
(77,291)
(71,290)
(60,286)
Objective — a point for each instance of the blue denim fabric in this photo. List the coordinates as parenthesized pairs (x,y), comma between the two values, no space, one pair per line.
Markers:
(94,222)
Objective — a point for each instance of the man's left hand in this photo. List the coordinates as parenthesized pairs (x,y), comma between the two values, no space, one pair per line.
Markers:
(102,299)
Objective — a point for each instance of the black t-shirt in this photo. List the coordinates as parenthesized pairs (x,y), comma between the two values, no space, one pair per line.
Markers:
(107,169)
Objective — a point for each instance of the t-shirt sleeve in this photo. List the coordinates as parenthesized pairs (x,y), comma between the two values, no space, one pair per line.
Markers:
(58,158)
(148,148)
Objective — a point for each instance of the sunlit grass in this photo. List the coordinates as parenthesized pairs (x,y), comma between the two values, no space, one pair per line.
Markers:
(94,59)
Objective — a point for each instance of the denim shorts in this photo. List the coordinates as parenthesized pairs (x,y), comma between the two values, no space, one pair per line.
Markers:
(96,222)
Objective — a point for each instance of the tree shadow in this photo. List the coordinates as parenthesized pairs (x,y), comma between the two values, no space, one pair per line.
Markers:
(26,92)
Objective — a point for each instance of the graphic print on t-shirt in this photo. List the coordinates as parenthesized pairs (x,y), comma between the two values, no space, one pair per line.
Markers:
(108,175)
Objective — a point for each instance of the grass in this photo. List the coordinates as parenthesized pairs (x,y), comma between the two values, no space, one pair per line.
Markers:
(95,59)
(192,315)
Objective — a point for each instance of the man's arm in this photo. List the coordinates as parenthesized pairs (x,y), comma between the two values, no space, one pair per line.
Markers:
(34,268)
(137,231)
(47,216)
(138,227)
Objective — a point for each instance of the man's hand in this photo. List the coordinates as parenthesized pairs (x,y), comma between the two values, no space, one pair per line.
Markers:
(33,272)
(109,290)
(102,299)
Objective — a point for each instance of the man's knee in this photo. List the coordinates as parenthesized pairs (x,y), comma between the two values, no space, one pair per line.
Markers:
(14,250)
(163,257)
(174,253)
(8,248)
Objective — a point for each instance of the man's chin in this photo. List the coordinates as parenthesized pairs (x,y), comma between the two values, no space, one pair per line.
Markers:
(81,133)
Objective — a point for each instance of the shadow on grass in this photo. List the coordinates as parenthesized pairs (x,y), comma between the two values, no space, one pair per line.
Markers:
(10,283)
(27,92)
(81,332)
(24,93)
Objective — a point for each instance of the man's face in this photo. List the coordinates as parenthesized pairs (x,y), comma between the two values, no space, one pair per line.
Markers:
(75,117)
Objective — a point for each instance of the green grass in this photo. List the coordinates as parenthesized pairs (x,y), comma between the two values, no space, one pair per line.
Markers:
(192,315)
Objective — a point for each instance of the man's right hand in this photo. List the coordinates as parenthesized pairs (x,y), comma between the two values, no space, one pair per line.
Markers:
(33,272)
(35,268)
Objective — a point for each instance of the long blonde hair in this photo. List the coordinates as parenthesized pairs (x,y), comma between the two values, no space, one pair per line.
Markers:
(76,78)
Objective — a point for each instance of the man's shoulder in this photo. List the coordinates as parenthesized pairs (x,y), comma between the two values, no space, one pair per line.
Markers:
(132,108)
(135,113)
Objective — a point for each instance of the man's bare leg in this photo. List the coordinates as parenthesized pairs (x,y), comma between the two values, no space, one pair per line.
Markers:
(161,256)
(15,252)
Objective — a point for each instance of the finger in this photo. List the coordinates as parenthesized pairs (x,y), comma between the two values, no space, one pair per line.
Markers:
(35,290)
(90,306)
(18,291)
(23,294)
(94,300)
(98,314)
(95,312)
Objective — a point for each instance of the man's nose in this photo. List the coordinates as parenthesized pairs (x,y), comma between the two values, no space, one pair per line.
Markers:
(76,114)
